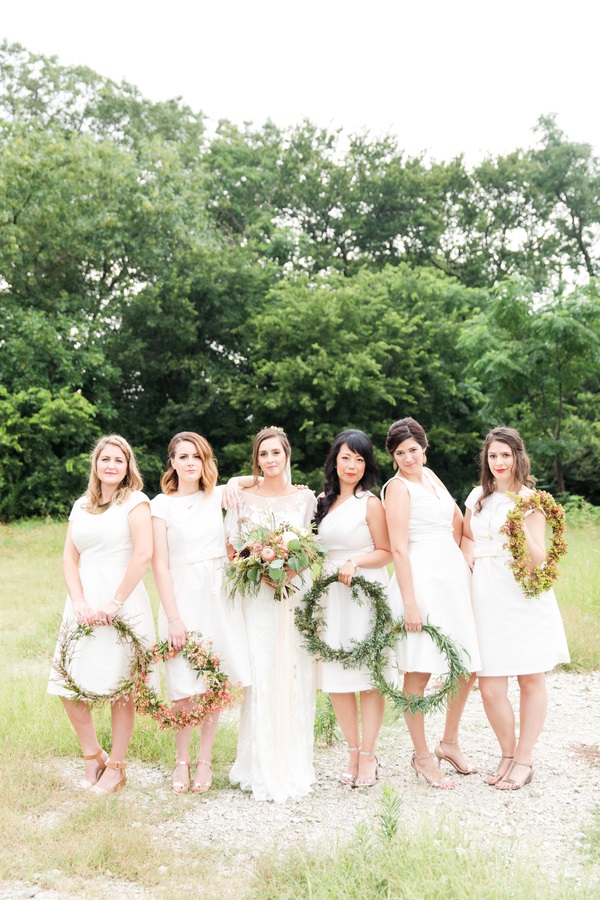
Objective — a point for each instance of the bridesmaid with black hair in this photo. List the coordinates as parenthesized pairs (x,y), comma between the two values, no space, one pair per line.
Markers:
(351,523)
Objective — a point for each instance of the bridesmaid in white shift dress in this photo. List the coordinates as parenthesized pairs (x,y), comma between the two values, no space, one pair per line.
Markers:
(188,563)
(430,583)
(275,745)
(352,525)
(107,550)
(518,635)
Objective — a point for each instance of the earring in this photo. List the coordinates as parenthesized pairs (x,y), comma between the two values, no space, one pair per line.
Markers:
(424,459)
(394,465)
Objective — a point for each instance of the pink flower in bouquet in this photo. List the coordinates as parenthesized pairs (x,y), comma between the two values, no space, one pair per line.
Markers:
(256,547)
(268,554)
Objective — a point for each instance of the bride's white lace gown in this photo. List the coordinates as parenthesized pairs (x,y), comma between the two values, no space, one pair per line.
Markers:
(275,745)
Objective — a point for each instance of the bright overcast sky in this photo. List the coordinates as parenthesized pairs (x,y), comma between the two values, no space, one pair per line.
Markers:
(445,76)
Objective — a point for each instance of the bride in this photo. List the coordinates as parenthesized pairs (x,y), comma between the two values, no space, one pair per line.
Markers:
(275,746)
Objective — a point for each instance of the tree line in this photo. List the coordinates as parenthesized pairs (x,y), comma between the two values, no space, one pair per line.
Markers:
(155,276)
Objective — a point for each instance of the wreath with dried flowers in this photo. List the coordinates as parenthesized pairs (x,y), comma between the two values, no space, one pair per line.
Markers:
(220,692)
(540,579)
(127,686)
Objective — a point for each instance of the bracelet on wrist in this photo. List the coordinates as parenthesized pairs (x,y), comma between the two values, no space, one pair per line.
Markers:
(354,564)
(173,619)
(118,603)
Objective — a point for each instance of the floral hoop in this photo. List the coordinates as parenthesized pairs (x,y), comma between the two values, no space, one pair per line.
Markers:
(415,703)
(67,641)
(541,578)
(220,693)
(310,620)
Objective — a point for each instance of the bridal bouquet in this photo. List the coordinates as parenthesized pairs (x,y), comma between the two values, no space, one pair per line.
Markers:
(278,553)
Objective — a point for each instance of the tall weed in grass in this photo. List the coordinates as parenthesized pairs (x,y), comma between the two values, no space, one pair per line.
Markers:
(392,861)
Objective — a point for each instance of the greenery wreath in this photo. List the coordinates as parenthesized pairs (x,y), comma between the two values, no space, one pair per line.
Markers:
(310,620)
(219,694)
(67,644)
(415,703)
(540,579)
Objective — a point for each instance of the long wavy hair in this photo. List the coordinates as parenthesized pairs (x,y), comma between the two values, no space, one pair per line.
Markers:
(522,473)
(169,481)
(131,482)
(358,442)
(263,435)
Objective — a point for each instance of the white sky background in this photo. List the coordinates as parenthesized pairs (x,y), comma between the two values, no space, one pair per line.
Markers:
(460,76)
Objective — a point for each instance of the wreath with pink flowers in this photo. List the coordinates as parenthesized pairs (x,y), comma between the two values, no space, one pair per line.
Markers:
(220,693)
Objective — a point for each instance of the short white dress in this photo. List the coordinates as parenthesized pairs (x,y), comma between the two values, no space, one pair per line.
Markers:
(197,559)
(345,533)
(105,546)
(275,745)
(518,635)
(441,579)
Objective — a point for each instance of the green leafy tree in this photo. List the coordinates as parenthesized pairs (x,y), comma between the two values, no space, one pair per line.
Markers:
(538,364)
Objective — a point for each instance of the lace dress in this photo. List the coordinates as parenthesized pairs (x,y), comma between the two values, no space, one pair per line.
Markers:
(441,583)
(275,745)
(197,557)
(105,546)
(345,533)
(518,635)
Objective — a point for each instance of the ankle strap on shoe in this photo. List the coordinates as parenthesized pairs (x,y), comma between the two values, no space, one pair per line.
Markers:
(115,765)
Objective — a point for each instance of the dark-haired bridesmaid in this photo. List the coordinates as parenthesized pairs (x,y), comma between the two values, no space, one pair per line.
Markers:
(351,523)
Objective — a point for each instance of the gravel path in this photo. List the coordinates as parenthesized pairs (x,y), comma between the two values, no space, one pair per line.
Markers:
(545,821)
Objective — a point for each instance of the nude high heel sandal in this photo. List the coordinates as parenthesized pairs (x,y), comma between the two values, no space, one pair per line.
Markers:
(370,781)
(101,766)
(200,787)
(120,784)
(181,787)
(513,785)
(444,785)
(471,770)
(348,777)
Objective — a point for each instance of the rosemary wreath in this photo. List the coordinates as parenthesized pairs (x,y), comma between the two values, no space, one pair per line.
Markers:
(67,645)
(540,579)
(219,694)
(415,703)
(310,620)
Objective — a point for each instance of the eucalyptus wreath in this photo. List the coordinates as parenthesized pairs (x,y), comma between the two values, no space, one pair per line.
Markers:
(68,639)
(540,579)
(310,621)
(415,703)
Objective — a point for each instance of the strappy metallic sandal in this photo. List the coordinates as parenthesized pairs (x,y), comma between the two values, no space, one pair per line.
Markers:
(200,787)
(494,777)
(441,755)
(512,784)
(444,784)
(371,781)
(348,777)
(181,787)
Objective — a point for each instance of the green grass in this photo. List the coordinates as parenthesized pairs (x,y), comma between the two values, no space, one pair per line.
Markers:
(391,861)
(52,836)
(578,592)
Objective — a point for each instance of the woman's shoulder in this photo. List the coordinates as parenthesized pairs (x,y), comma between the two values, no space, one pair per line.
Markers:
(78,506)
(159,505)
(474,497)
(134,499)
